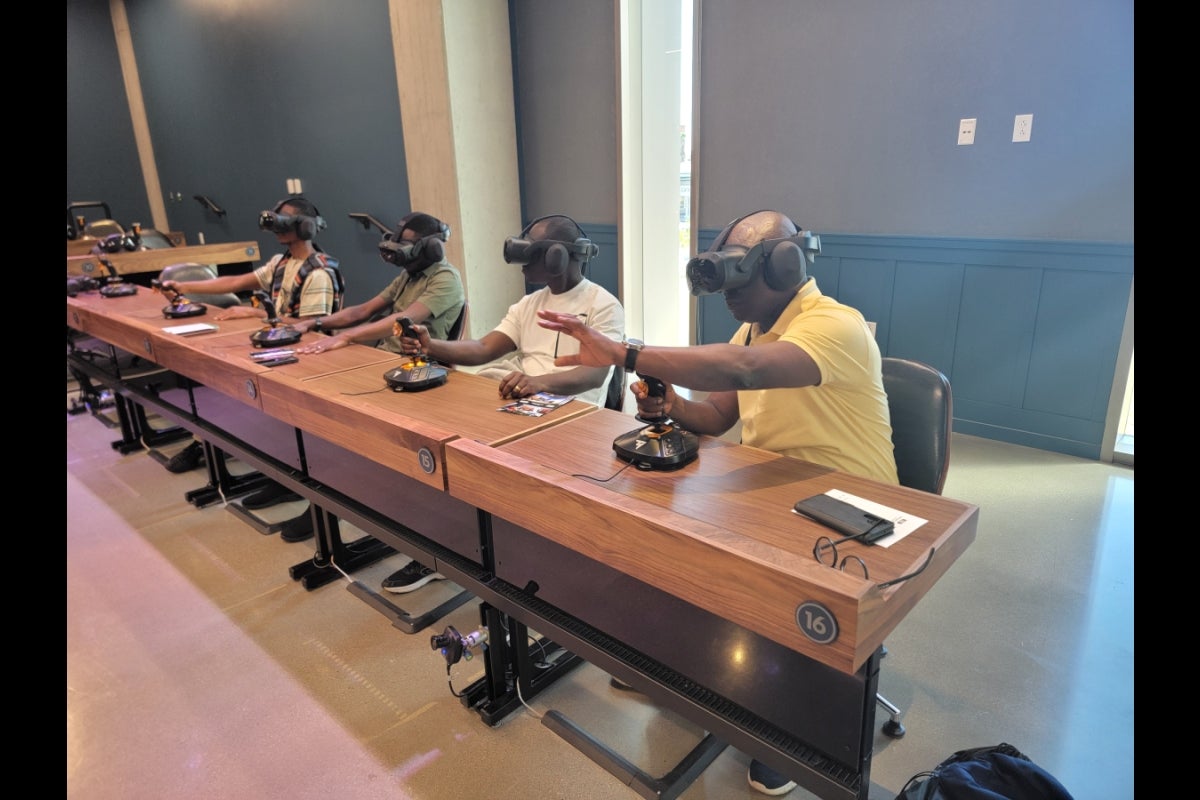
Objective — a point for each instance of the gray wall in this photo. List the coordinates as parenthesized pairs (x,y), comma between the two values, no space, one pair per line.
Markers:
(843,115)
(566,87)
(240,97)
(102,159)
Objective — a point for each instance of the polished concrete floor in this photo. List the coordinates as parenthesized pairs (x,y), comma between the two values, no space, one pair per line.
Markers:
(197,668)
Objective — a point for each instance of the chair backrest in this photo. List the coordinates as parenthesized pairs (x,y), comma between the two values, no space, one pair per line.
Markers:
(922,412)
(103,227)
(192,271)
(458,330)
(614,398)
(155,240)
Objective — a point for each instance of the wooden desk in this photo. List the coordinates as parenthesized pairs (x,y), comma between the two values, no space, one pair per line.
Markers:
(691,584)
(705,579)
(357,410)
(139,262)
(719,533)
(385,451)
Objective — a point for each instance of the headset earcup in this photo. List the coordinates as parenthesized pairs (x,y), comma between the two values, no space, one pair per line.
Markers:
(785,268)
(306,228)
(434,251)
(557,258)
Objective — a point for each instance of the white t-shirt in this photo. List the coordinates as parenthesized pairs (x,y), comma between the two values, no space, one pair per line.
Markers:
(537,347)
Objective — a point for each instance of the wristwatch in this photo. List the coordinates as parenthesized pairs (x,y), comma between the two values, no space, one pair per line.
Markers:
(317,325)
(632,348)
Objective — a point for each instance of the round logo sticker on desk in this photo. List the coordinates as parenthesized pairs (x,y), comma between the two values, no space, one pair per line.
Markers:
(425,457)
(816,622)
(251,389)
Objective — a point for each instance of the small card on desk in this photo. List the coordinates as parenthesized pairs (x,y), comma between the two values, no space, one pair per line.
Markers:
(190,329)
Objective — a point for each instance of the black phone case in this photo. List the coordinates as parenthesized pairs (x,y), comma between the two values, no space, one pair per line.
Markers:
(845,518)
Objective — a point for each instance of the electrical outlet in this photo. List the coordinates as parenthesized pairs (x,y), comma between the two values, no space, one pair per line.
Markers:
(1022,127)
(966,131)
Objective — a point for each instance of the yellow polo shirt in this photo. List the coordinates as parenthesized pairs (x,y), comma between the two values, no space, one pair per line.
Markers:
(843,422)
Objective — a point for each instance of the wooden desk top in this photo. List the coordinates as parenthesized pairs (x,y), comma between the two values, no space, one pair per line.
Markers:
(356,409)
(718,533)
(141,261)
(675,530)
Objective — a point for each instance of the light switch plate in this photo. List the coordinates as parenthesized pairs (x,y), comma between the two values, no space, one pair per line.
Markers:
(966,131)
(1022,127)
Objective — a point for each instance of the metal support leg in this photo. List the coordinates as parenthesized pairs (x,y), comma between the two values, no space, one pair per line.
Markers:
(222,484)
(331,550)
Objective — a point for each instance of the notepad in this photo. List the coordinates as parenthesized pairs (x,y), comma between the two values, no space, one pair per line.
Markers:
(190,330)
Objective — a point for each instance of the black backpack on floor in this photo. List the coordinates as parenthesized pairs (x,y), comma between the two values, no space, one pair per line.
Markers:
(997,772)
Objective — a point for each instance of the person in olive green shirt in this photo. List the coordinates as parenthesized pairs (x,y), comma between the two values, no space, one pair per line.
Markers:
(428,291)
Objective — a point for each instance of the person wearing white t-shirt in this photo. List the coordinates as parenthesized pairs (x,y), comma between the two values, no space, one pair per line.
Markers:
(519,353)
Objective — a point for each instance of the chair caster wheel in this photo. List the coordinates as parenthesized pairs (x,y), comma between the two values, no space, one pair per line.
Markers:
(894,728)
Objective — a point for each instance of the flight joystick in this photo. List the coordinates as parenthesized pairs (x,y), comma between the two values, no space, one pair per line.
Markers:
(421,371)
(180,306)
(661,444)
(275,334)
(114,284)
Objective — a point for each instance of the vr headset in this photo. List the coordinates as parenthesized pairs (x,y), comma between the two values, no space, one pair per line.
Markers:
(116,242)
(784,262)
(304,226)
(520,250)
(421,253)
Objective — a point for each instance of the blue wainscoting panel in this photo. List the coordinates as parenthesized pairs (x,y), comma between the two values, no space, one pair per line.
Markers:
(924,313)
(1026,331)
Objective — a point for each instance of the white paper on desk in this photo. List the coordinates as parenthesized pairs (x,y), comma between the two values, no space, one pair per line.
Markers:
(903,524)
(190,330)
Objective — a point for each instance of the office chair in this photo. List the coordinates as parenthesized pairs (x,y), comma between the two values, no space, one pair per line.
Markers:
(191,271)
(458,330)
(98,229)
(615,397)
(922,411)
(155,240)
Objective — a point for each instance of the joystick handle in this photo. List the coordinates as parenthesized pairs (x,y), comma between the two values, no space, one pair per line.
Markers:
(654,388)
(406,328)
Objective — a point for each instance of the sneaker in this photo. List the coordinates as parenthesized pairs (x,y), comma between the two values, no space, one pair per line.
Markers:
(297,529)
(270,495)
(412,576)
(767,781)
(187,459)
